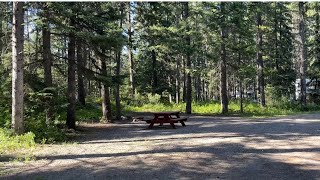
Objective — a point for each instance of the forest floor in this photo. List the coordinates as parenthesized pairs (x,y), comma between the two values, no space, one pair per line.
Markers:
(207,148)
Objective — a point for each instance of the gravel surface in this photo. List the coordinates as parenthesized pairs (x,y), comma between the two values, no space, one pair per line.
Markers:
(207,148)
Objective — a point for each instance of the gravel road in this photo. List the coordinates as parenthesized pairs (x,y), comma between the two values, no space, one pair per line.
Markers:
(207,148)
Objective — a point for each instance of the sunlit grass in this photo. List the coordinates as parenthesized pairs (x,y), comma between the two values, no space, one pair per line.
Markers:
(18,145)
(251,109)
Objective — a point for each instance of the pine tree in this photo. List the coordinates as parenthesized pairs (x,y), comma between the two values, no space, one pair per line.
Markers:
(17,67)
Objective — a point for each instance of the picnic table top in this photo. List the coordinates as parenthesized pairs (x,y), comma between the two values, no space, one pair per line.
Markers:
(166,112)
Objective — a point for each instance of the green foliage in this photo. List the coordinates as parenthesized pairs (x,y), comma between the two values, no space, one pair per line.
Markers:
(251,109)
(35,118)
(5,115)
(43,132)
(90,112)
(10,143)
(141,99)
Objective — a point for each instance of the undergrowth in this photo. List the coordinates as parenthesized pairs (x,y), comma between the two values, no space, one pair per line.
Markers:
(20,146)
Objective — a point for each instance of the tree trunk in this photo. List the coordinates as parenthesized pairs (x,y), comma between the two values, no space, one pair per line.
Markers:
(130,54)
(241,96)
(241,77)
(106,105)
(117,90)
(17,67)
(260,64)
(154,72)
(199,86)
(47,63)
(118,65)
(184,80)
(71,116)
(223,68)
(317,34)
(80,66)
(170,85)
(178,81)
(188,64)
(302,53)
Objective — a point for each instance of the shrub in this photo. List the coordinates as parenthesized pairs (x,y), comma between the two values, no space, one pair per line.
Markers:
(10,142)
(43,132)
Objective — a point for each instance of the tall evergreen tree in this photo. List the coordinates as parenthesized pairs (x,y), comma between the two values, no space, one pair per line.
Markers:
(302,54)
(17,67)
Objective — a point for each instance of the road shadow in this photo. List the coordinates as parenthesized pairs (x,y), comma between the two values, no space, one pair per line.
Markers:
(223,161)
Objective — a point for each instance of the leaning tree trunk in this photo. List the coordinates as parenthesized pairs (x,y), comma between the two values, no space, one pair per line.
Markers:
(302,53)
(71,117)
(47,61)
(260,64)
(188,64)
(223,67)
(17,67)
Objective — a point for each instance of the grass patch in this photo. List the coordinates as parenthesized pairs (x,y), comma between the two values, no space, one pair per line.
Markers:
(17,147)
(251,109)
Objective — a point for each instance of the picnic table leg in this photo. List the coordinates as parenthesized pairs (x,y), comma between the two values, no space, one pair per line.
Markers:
(183,124)
(151,125)
(173,126)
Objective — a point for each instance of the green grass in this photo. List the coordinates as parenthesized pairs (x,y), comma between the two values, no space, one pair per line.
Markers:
(213,108)
(92,111)
(18,145)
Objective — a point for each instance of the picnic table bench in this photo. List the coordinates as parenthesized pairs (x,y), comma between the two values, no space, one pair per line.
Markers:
(171,117)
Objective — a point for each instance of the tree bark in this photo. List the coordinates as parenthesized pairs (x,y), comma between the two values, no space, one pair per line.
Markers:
(17,67)
(80,66)
(302,53)
(130,54)
(317,34)
(223,67)
(118,65)
(241,96)
(117,90)
(178,81)
(106,105)
(188,64)
(71,117)
(260,64)
(154,72)
(47,63)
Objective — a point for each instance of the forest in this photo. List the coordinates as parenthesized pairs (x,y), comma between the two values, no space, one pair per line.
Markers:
(62,63)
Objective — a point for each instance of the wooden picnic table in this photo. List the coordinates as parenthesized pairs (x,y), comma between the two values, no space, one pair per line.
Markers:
(171,117)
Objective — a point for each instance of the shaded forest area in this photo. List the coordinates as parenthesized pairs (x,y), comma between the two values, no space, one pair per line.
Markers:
(63,61)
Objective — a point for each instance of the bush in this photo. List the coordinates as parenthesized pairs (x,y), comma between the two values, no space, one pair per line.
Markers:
(10,142)
(153,99)
(44,133)
(88,112)
(5,116)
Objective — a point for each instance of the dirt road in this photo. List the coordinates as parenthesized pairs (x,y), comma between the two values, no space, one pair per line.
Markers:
(207,148)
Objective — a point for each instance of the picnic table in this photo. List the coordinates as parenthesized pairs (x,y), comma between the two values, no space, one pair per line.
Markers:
(171,117)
